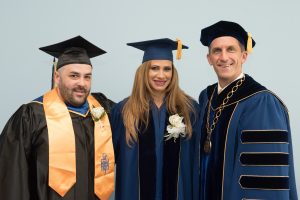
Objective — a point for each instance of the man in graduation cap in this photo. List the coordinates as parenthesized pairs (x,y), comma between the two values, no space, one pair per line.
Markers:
(246,146)
(155,131)
(59,146)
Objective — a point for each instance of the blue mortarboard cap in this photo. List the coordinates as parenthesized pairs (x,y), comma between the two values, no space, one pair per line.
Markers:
(226,28)
(159,49)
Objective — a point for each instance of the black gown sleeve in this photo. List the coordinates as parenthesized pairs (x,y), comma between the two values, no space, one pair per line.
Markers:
(15,151)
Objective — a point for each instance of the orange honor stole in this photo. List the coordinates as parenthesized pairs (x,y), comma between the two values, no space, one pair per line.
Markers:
(62,154)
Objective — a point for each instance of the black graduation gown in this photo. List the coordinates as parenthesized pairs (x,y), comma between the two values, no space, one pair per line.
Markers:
(24,155)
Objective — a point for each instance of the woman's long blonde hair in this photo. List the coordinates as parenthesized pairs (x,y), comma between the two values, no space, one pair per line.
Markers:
(136,109)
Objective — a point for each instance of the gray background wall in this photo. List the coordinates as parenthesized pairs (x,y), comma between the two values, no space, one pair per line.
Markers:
(28,25)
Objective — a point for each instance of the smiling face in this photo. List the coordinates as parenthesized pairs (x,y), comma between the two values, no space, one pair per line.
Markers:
(74,83)
(227,56)
(160,75)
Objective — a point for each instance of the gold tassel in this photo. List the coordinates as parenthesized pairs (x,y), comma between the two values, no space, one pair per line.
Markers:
(179,49)
(53,85)
(55,65)
(249,43)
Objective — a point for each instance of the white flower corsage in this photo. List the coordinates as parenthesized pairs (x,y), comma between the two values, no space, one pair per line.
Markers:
(97,113)
(176,127)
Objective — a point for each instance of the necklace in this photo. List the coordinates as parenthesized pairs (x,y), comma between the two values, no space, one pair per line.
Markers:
(211,127)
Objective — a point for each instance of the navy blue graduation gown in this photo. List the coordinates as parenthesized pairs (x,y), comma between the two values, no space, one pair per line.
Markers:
(142,176)
(24,154)
(251,156)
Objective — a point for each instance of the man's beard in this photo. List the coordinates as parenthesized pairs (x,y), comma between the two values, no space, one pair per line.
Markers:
(69,97)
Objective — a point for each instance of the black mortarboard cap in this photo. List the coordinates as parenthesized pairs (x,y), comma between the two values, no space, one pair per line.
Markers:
(226,28)
(159,49)
(74,50)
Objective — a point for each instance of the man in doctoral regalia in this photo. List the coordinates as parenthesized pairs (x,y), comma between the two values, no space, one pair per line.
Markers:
(59,145)
(246,146)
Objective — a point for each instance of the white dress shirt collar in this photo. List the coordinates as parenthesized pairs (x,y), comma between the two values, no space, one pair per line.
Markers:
(220,89)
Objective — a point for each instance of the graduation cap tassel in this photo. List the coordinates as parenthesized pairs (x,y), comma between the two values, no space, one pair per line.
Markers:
(53,71)
(249,43)
(179,49)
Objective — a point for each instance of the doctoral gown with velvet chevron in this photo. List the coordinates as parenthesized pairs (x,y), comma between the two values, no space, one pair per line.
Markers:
(251,155)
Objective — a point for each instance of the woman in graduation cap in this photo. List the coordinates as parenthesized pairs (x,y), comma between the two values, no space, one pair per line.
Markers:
(154,130)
